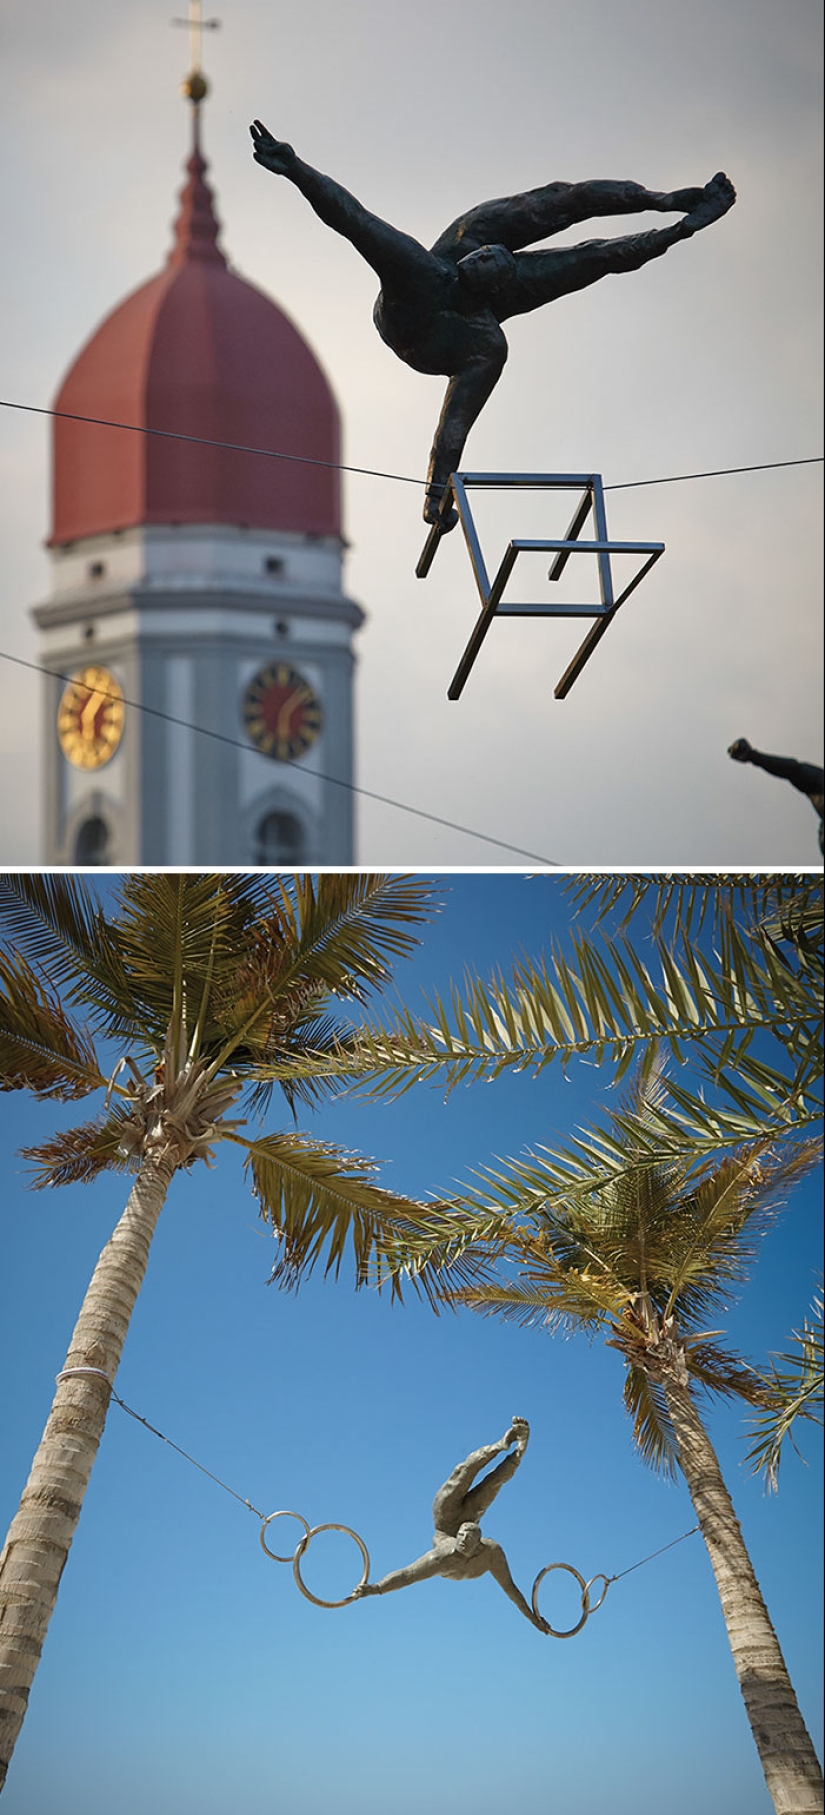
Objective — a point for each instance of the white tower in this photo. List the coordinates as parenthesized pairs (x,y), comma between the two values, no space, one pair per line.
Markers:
(196,586)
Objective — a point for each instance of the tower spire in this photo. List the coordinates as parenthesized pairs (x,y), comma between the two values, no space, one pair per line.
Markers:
(196,228)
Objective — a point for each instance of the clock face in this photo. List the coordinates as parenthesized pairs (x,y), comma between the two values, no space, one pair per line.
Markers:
(281,713)
(90,717)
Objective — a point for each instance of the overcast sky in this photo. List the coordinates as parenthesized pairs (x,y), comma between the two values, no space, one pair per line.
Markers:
(706,359)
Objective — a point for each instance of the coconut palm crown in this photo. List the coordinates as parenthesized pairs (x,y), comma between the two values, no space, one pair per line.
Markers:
(646,1260)
(216,988)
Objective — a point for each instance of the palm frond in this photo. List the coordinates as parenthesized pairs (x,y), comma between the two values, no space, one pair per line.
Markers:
(348,929)
(653,1241)
(614,1153)
(720,1370)
(719,1223)
(80,1154)
(41,1048)
(683,1235)
(322,1202)
(609,1006)
(71,942)
(254,964)
(686,904)
(55,923)
(522,1303)
(653,1432)
(305,1067)
(793,1389)
(555,1297)
(179,938)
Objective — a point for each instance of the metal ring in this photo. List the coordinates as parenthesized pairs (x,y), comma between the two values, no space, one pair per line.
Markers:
(599,1577)
(586,1608)
(303,1544)
(282,1515)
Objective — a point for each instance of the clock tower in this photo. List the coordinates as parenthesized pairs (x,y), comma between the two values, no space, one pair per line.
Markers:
(199,704)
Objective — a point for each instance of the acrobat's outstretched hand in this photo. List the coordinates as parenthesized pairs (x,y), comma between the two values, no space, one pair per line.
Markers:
(274,154)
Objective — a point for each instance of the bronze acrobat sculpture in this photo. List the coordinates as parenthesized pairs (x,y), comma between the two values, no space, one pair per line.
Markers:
(459,1551)
(441,310)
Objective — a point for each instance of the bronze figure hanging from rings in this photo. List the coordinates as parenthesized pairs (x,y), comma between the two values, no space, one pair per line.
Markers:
(459,1551)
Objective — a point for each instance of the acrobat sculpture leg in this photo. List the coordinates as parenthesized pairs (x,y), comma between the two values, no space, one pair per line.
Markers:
(515,221)
(458,1501)
(542,277)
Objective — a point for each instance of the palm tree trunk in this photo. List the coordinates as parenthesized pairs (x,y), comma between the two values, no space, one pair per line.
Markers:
(782,1740)
(40,1535)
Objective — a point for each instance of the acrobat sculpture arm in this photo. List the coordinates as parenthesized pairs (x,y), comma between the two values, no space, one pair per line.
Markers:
(384,247)
(431,1564)
(807,777)
(500,1571)
(459,1559)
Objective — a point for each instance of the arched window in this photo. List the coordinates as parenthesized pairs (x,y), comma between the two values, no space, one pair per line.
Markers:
(91,845)
(280,841)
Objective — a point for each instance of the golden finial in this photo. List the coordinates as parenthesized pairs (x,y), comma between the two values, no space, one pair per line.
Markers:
(195,86)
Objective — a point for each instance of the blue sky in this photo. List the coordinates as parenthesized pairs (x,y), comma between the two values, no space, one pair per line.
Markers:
(184,1673)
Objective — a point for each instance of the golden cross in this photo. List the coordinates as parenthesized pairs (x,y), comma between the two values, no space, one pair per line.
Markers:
(197,26)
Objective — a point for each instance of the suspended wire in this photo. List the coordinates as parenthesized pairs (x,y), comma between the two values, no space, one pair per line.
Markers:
(655,1553)
(718,472)
(185,1454)
(100,1374)
(222,737)
(234,447)
(370,472)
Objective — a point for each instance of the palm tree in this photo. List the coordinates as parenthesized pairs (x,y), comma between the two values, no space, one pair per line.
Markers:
(645,1259)
(214,987)
(641,1225)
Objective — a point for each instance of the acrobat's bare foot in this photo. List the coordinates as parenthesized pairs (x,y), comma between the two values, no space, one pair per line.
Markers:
(741,750)
(365,1588)
(716,198)
(519,1433)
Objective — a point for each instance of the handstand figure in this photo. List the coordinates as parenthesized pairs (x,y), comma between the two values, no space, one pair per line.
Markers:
(441,310)
(459,1551)
(809,778)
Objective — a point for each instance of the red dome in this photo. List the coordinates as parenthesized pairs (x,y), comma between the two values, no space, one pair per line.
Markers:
(196,351)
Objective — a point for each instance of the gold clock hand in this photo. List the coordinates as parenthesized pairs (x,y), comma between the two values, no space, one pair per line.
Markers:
(89,714)
(285,714)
